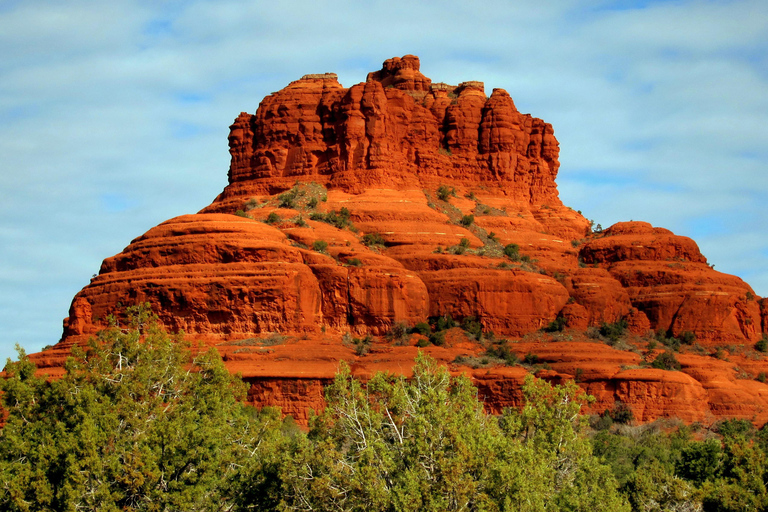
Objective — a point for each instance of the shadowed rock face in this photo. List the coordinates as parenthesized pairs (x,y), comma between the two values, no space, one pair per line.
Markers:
(362,240)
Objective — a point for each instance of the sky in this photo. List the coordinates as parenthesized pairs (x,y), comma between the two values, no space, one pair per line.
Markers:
(114,115)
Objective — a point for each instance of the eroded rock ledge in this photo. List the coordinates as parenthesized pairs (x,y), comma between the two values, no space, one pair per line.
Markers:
(349,211)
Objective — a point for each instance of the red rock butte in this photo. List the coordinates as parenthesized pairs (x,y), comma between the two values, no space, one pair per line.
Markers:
(350,211)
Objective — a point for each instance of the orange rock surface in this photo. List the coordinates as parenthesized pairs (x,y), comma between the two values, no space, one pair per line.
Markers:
(351,210)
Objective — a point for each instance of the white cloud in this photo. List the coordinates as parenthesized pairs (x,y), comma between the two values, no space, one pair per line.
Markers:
(662,114)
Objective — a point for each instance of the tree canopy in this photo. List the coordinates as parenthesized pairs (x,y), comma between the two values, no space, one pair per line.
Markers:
(140,423)
(136,423)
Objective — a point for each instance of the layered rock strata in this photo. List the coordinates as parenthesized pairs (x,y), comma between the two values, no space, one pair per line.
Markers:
(350,211)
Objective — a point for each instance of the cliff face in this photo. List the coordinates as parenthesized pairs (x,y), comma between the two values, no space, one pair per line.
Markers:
(393,201)
(397,131)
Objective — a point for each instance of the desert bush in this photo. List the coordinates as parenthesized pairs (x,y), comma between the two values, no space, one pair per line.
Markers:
(372,239)
(512,251)
(320,245)
(762,344)
(666,361)
(444,193)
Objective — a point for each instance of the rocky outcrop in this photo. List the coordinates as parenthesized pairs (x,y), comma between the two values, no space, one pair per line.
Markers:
(668,279)
(396,130)
(352,210)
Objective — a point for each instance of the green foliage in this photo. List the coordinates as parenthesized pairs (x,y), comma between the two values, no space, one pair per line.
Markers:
(320,245)
(556,325)
(444,193)
(564,472)
(272,218)
(422,328)
(500,350)
(512,251)
(472,326)
(135,423)
(241,213)
(442,323)
(312,203)
(288,199)
(467,220)
(362,345)
(531,358)
(621,413)
(354,262)
(373,239)
(437,338)
(340,219)
(735,427)
(398,333)
(426,444)
(614,331)
(762,344)
(666,361)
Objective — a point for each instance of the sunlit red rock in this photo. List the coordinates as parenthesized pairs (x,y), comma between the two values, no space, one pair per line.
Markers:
(284,295)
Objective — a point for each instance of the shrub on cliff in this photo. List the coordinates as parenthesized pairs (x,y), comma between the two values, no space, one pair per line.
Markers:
(136,423)
(512,251)
(444,193)
(666,361)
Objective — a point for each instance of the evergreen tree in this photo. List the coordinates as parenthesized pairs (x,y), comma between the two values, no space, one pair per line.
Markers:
(136,423)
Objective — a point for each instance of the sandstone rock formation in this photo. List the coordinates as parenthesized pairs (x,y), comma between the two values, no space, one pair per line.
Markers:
(350,211)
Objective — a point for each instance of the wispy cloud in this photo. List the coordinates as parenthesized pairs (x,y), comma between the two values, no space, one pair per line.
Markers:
(114,116)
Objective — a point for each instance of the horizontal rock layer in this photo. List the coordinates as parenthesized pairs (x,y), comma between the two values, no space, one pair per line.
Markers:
(399,197)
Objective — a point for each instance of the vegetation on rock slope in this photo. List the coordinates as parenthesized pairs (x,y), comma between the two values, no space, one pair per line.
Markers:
(138,423)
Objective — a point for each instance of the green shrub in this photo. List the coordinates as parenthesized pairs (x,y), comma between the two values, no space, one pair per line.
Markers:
(687,338)
(470,325)
(362,345)
(241,213)
(512,251)
(666,361)
(443,192)
(371,239)
(442,323)
(467,220)
(762,345)
(556,325)
(423,342)
(621,413)
(614,331)
(320,245)
(301,222)
(422,328)
(312,203)
(501,351)
(398,333)
(273,218)
(288,199)
(531,358)
(338,219)
(437,338)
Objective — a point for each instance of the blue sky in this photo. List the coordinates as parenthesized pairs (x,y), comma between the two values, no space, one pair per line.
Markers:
(114,115)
